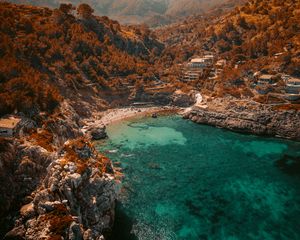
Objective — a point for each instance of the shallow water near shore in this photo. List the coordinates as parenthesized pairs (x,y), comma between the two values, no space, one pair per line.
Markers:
(189,181)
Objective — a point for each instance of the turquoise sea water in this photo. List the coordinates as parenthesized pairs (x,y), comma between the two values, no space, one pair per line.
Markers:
(189,181)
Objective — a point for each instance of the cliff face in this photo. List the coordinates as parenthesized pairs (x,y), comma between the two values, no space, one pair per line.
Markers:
(75,200)
(63,188)
(21,169)
(250,118)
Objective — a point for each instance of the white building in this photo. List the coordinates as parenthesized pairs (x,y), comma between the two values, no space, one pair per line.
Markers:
(264,83)
(198,63)
(194,69)
(209,59)
(201,62)
(8,126)
(265,79)
(292,89)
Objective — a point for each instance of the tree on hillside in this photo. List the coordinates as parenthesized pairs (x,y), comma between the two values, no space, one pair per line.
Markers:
(223,46)
(66,8)
(241,21)
(85,11)
(59,15)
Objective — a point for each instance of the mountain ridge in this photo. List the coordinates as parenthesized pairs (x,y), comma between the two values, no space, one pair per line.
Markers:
(139,11)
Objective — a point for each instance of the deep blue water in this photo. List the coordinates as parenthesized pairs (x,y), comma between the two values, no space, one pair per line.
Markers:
(189,181)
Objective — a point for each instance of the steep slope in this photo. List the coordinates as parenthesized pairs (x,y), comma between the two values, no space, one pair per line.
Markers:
(259,36)
(56,68)
(256,23)
(47,56)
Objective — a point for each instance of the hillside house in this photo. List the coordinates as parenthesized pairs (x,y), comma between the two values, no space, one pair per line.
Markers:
(285,77)
(209,59)
(195,68)
(264,83)
(292,89)
(197,63)
(8,126)
(201,62)
(266,79)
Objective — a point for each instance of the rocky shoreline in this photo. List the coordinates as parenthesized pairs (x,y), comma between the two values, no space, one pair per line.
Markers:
(68,189)
(55,184)
(64,187)
(249,117)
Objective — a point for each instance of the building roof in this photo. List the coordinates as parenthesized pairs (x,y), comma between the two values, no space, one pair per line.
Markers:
(278,54)
(198,60)
(10,122)
(266,76)
(293,80)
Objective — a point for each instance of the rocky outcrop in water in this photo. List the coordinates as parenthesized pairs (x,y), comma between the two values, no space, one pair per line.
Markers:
(253,118)
(98,132)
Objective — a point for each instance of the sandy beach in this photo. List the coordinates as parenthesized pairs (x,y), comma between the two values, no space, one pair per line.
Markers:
(117,114)
(114,115)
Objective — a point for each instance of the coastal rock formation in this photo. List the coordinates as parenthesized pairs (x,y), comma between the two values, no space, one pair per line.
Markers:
(75,200)
(98,132)
(250,118)
(22,166)
(55,184)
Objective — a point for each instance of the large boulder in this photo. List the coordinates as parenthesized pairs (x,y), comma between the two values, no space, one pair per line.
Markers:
(98,132)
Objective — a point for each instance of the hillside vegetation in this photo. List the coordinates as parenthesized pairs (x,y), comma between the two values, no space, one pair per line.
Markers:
(259,29)
(262,35)
(47,56)
(51,55)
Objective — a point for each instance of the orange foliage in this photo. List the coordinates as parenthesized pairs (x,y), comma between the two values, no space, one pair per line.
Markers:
(72,154)
(285,107)
(60,220)
(48,53)
(43,139)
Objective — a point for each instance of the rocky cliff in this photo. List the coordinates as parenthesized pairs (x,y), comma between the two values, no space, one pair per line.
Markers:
(56,189)
(249,117)
(75,200)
